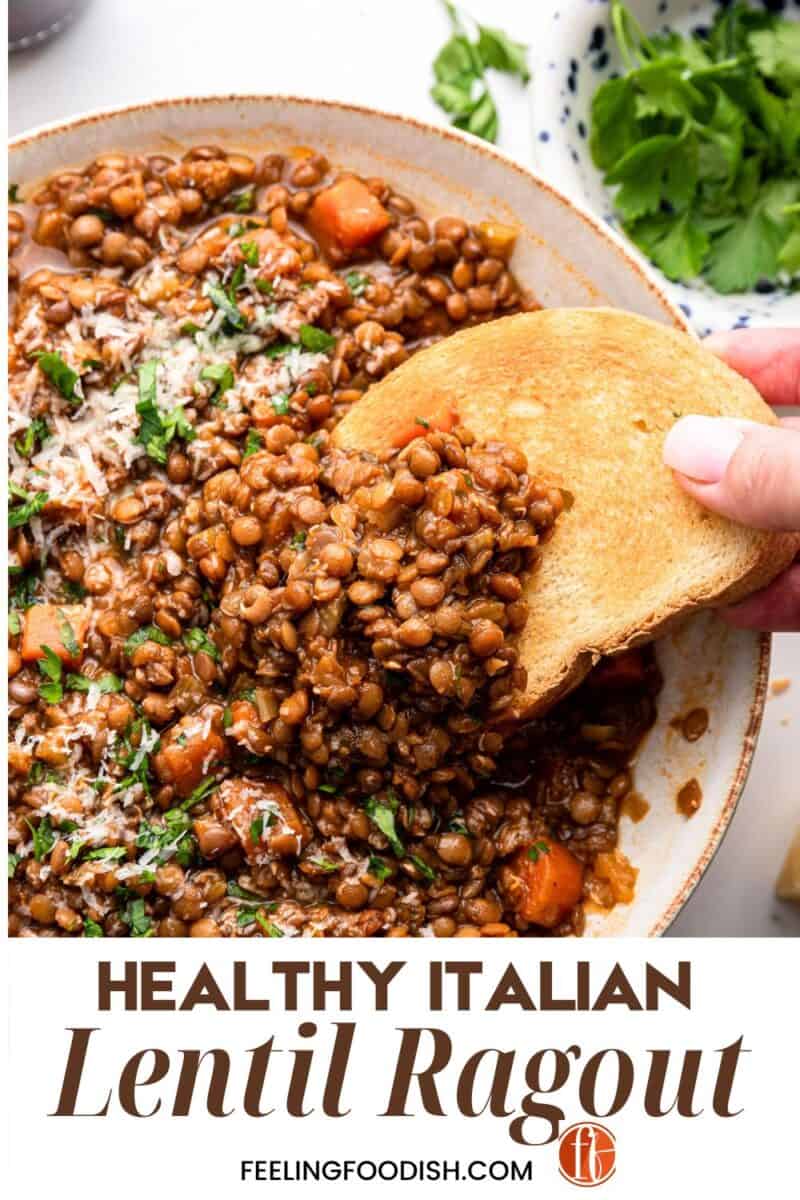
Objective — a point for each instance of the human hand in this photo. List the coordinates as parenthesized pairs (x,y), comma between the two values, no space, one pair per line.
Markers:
(746,471)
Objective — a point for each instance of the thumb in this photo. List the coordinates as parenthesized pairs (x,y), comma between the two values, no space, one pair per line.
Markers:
(740,469)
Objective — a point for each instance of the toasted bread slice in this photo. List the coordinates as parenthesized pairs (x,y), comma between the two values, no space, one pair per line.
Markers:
(589,395)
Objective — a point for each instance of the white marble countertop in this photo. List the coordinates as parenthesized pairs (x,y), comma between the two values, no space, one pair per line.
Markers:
(119,52)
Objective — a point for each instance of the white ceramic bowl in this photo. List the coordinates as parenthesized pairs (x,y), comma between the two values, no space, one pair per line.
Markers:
(566,257)
(579,53)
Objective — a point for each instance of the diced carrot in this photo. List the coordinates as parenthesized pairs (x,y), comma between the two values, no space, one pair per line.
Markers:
(347,215)
(60,627)
(444,419)
(544,882)
(191,750)
(625,670)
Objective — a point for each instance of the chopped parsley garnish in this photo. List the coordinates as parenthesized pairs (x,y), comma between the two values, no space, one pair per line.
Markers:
(423,867)
(197,639)
(377,867)
(252,443)
(245,916)
(382,813)
(37,431)
(201,792)
(161,842)
(91,928)
(23,595)
(147,633)
(249,253)
(74,590)
(106,684)
(14,623)
(13,863)
(299,540)
(257,828)
(316,340)
(60,375)
(44,838)
(134,755)
(280,402)
(278,350)
(106,854)
(51,668)
(13,193)
(460,71)
(31,505)
(700,139)
(331,788)
(269,927)
(67,635)
(537,850)
(158,428)
(189,329)
(266,286)
(236,280)
(244,202)
(325,864)
(423,422)
(220,374)
(357,282)
(135,917)
(221,300)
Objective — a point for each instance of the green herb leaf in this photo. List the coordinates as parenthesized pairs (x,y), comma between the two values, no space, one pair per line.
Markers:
(13,862)
(221,374)
(268,926)
(106,684)
(201,792)
(147,633)
(197,639)
(357,282)
(280,402)
(32,504)
(60,375)
(316,340)
(221,300)
(44,838)
(702,138)
(158,428)
(257,828)
(423,867)
(537,850)
(135,917)
(325,864)
(13,193)
(382,814)
(496,49)
(67,635)
(37,431)
(106,854)
(377,867)
(51,668)
(250,253)
(298,541)
(91,928)
(245,201)
(252,443)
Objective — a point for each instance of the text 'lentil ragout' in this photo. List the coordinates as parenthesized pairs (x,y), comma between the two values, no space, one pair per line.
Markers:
(260,686)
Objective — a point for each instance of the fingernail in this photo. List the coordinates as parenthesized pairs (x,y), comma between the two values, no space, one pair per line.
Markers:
(702,447)
(719,343)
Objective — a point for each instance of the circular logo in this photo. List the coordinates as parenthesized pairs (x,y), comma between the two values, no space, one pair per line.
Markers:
(587,1154)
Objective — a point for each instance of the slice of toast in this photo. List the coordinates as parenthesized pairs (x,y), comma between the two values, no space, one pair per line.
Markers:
(589,395)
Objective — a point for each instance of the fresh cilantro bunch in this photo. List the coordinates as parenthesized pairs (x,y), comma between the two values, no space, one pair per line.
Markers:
(460,69)
(701,137)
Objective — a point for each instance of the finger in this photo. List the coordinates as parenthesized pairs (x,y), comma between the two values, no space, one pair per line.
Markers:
(769,358)
(740,469)
(776,608)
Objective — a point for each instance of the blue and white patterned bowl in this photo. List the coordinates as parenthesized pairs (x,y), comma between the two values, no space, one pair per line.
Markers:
(578,54)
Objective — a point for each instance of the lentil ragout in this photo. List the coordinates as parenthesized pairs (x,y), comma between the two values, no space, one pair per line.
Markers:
(260,686)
